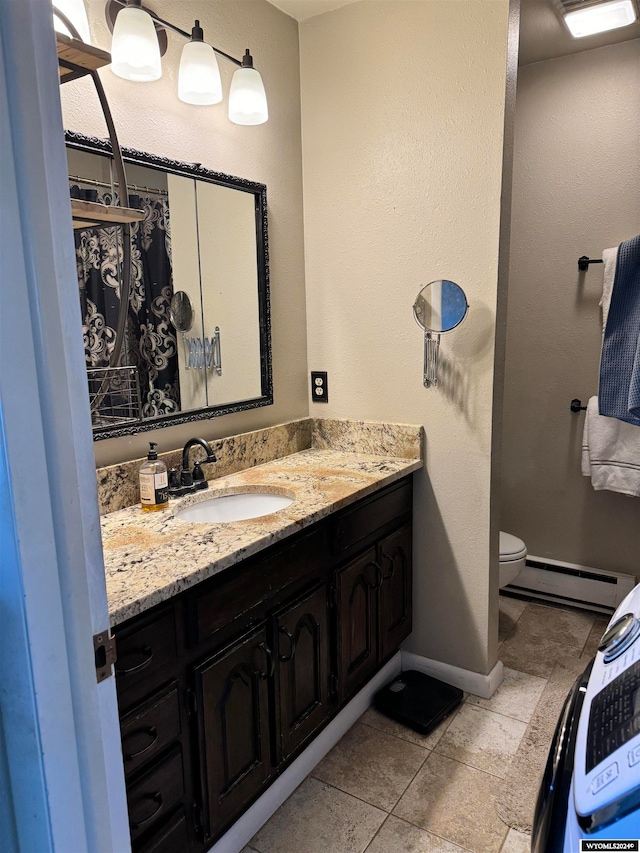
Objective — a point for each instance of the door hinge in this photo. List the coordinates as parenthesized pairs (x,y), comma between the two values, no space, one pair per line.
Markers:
(190,701)
(333,687)
(104,652)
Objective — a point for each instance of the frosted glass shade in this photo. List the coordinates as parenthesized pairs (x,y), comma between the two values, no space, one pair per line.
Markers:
(247,98)
(199,76)
(135,52)
(77,14)
(600,18)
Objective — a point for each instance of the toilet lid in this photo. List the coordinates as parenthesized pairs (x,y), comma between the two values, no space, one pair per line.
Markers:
(511,548)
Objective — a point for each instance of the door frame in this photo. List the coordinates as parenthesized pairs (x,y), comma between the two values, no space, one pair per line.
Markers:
(62,766)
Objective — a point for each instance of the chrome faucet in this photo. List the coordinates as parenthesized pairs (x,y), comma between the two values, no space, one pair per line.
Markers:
(190,481)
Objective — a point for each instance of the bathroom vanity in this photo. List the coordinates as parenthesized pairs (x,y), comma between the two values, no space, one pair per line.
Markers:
(254,636)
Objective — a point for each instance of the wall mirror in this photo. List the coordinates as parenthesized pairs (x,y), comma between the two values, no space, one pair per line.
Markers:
(197,339)
(439,307)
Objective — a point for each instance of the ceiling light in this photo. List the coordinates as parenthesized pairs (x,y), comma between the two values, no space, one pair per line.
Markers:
(600,17)
(135,52)
(199,76)
(247,98)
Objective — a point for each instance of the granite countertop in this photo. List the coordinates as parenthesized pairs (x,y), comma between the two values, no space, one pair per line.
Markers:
(151,556)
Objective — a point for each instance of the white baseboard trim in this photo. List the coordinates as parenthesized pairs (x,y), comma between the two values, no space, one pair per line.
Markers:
(467,680)
(243,830)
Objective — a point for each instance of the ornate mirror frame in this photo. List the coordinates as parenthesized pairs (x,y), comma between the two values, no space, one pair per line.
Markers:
(96,145)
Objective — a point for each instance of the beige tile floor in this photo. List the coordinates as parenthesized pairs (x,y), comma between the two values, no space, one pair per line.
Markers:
(385,789)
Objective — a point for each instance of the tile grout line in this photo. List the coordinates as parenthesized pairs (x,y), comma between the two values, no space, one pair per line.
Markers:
(362,800)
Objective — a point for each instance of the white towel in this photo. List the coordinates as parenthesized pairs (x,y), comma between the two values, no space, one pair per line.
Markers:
(609,258)
(611,452)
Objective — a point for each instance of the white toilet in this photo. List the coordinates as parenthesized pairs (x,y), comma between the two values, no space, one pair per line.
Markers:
(513,556)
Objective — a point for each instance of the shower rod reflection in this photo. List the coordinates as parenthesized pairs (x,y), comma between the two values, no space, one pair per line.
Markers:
(94,182)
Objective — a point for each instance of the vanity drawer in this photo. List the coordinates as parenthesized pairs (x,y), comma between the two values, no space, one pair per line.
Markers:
(155,794)
(143,656)
(240,597)
(367,517)
(149,728)
(172,838)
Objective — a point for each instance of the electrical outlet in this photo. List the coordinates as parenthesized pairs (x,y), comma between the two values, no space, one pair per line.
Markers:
(319,386)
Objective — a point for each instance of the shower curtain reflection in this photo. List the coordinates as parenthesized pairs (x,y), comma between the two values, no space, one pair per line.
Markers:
(146,382)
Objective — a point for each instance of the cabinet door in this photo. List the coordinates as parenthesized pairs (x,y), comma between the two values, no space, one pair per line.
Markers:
(303,669)
(395,591)
(356,587)
(233,724)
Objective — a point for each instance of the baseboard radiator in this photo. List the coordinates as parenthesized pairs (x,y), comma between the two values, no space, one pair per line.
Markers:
(568,583)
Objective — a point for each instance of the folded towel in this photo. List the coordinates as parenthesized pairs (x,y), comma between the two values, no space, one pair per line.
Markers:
(609,259)
(619,389)
(610,452)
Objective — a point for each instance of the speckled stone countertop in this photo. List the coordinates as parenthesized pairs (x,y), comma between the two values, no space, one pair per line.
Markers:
(152,556)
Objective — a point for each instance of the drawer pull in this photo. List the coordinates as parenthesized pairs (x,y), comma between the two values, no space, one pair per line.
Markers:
(379,575)
(156,798)
(388,577)
(139,666)
(292,645)
(153,734)
(270,663)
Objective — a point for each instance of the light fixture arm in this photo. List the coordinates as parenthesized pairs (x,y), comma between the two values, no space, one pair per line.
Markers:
(180,32)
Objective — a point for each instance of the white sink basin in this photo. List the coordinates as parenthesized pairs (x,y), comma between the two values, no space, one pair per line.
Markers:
(234,507)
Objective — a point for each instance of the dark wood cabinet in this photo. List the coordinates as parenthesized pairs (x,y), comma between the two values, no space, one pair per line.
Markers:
(222,687)
(394,555)
(302,686)
(356,594)
(233,726)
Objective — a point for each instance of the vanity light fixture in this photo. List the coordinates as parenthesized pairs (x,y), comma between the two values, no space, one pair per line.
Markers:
(588,19)
(136,52)
(76,13)
(199,76)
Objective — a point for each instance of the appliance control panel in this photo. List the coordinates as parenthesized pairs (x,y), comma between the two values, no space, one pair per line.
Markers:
(607,765)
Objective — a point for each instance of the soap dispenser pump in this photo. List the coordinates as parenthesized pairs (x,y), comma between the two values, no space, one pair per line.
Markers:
(154,482)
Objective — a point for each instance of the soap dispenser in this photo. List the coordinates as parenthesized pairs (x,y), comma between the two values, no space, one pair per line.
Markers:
(154,482)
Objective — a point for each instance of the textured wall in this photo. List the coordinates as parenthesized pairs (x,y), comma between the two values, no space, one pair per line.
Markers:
(150,117)
(402,108)
(576,192)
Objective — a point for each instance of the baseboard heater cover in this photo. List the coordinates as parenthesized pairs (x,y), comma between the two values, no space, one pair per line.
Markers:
(582,586)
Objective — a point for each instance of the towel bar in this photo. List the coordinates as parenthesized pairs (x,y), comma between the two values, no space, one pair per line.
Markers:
(584,261)
(576,405)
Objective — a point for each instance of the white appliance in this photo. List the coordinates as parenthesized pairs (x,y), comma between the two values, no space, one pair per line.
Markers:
(591,785)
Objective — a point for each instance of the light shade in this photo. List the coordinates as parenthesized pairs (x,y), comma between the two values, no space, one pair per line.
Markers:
(77,14)
(247,98)
(199,76)
(600,18)
(135,52)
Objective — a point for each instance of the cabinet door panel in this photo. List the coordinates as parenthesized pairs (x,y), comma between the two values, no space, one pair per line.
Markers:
(395,591)
(233,721)
(303,669)
(357,650)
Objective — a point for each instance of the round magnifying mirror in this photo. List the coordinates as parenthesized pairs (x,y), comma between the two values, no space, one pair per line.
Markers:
(181,312)
(440,306)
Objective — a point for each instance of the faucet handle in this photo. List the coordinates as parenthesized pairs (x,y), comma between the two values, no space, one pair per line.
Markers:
(199,480)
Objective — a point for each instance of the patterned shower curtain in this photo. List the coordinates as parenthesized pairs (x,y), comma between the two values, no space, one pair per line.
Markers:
(150,339)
